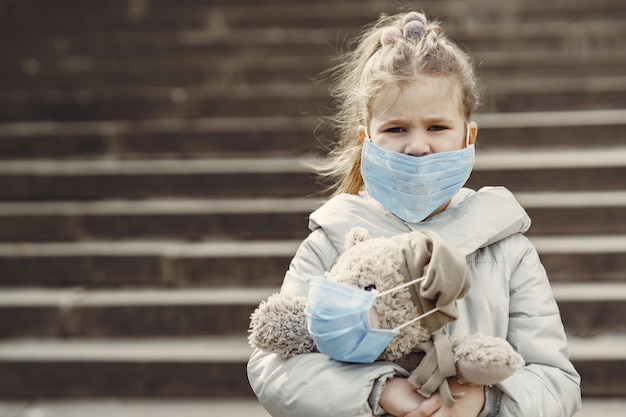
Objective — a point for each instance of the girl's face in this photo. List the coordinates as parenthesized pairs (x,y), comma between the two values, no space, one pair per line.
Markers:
(421,117)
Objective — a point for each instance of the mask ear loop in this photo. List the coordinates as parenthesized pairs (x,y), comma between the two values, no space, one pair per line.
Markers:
(413,320)
(467,136)
(399,287)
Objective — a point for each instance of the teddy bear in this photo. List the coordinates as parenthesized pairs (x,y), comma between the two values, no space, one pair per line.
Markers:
(279,324)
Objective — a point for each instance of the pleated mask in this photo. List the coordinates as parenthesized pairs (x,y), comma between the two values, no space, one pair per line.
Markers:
(413,187)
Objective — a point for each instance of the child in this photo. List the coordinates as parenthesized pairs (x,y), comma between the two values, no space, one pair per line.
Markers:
(406,149)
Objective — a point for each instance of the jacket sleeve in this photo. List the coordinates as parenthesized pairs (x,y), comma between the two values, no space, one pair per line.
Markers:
(548,385)
(312,385)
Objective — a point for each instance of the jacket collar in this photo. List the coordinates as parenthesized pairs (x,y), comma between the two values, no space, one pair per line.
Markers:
(472,221)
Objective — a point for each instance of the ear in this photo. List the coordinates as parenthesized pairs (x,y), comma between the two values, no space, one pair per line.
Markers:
(362,133)
(473,129)
(355,236)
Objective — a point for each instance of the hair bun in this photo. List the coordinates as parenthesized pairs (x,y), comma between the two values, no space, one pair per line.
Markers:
(414,25)
(390,35)
(414,16)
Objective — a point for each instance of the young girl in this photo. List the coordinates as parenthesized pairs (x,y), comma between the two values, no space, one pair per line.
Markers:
(406,149)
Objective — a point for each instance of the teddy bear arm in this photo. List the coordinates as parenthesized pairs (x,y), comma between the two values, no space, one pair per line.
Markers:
(485,360)
(278,325)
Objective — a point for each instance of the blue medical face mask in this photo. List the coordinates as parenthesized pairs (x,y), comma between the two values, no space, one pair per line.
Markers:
(413,187)
(338,321)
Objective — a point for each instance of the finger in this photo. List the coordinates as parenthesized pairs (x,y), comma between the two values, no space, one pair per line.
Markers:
(431,405)
(417,412)
(443,412)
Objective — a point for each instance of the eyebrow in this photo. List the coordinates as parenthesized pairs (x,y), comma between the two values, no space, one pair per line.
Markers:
(437,119)
(427,120)
(393,121)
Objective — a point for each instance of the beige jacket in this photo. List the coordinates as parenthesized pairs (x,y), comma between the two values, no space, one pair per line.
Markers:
(510,298)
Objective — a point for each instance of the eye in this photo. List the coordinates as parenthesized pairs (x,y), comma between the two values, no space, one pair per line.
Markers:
(396,130)
(370,287)
(437,128)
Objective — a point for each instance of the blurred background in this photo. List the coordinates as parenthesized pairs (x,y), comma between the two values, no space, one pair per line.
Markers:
(153,184)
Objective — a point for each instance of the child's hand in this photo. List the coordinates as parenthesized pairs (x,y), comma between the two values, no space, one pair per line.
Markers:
(399,398)
(470,405)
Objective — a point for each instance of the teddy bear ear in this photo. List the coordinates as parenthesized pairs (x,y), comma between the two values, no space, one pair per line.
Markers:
(355,236)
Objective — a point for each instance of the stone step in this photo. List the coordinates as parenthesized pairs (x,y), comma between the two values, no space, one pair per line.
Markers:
(554,94)
(306,39)
(156,263)
(197,219)
(599,169)
(267,136)
(289,100)
(589,309)
(196,68)
(81,313)
(205,367)
(231,407)
(451,12)
(56,180)
(592,407)
(586,309)
(574,213)
(138,16)
(574,259)
(145,263)
(160,137)
(476,36)
(285,100)
(104,368)
(554,213)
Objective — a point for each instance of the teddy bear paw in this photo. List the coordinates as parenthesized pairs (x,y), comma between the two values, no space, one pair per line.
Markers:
(485,360)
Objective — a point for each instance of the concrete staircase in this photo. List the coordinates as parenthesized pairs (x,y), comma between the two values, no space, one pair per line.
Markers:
(153,184)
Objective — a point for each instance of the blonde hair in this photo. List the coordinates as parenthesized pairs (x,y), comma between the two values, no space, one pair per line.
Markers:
(384,57)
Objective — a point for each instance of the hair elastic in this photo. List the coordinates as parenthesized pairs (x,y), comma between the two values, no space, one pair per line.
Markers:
(414,27)
(390,35)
